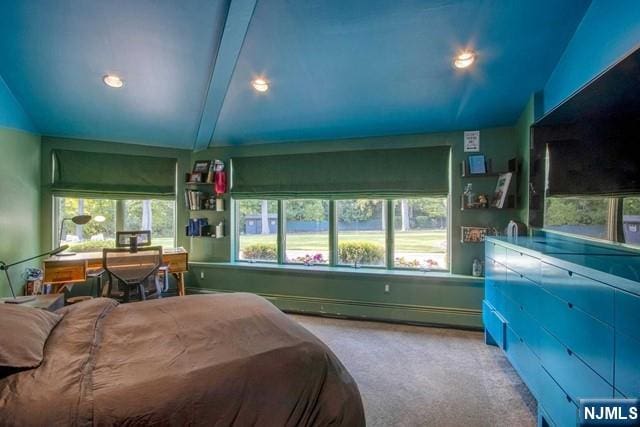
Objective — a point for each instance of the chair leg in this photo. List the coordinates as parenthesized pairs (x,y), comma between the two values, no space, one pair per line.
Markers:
(141,290)
(127,290)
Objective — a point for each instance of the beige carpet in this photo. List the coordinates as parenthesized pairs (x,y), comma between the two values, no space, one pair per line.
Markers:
(420,376)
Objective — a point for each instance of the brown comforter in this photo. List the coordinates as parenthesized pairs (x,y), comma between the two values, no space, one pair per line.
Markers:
(220,360)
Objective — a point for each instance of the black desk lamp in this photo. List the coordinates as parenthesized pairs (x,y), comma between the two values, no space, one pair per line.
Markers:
(78,220)
(5,267)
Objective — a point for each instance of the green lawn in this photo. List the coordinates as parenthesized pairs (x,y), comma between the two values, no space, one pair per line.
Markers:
(407,241)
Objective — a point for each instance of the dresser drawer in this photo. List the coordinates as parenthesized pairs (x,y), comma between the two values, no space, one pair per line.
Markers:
(575,377)
(589,295)
(495,252)
(523,291)
(591,339)
(556,403)
(522,323)
(494,323)
(523,360)
(627,376)
(523,264)
(627,318)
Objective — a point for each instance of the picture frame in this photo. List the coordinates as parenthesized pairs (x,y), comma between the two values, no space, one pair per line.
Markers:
(477,164)
(201,166)
(473,234)
(502,188)
(195,177)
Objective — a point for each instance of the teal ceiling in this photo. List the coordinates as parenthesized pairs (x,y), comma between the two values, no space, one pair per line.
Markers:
(337,68)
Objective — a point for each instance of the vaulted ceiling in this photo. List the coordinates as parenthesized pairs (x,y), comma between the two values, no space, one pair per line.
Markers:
(336,68)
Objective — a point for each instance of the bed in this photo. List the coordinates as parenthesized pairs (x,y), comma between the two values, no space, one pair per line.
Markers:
(229,359)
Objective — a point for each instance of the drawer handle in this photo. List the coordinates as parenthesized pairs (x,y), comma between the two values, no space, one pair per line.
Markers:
(521,276)
(521,340)
(570,305)
(569,399)
(521,308)
(570,273)
(569,352)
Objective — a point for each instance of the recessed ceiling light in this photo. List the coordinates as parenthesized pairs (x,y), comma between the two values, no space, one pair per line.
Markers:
(260,85)
(464,59)
(112,80)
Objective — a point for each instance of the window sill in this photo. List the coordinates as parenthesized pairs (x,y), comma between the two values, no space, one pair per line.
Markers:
(440,275)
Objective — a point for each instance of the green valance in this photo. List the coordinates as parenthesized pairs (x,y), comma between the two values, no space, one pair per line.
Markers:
(116,176)
(406,172)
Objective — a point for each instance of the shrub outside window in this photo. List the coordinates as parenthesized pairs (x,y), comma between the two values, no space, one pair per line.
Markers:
(361,232)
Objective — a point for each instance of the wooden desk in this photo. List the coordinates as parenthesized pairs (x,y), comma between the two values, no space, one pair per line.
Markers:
(64,270)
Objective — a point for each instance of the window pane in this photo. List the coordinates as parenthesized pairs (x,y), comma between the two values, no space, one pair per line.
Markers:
(420,233)
(631,220)
(307,231)
(257,230)
(361,232)
(94,235)
(582,216)
(155,215)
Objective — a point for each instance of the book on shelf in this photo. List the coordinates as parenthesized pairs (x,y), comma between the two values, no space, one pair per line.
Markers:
(193,199)
(198,227)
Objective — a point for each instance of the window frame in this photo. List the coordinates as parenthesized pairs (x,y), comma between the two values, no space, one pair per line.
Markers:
(333,236)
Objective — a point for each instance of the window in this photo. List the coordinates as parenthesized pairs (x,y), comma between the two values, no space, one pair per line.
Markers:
(155,215)
(631,220)
(361,232)
(420,233)
(307,231)
(361,228)
(257,229)
(583,216)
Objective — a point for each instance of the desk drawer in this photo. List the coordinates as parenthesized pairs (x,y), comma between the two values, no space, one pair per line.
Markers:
(495,252)
(576,378)
(627,378)
(627,318)
(522,323)
(591,339)
(527,266)
(556,403)
(176,262)
(65,271)
(590,295)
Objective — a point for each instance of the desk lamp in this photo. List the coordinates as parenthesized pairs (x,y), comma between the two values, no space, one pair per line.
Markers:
(5,267)
(78,220)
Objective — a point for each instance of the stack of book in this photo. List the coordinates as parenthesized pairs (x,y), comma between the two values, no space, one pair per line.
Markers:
(198,227)
(194,199)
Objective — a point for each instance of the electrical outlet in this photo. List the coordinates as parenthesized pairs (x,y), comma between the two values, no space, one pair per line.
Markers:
(387,288)
(202,274)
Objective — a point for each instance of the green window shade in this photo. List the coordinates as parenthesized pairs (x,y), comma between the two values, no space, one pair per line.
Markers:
(87,174)
(345,174)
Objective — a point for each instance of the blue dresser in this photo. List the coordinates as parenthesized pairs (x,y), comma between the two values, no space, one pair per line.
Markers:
(567,315)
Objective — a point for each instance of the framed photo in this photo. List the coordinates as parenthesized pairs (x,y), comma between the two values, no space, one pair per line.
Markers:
(477,164)
(473,234)
(201,166)
(502,188)
(195,177)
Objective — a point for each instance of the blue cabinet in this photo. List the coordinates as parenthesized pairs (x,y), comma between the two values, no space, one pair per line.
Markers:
(569,331)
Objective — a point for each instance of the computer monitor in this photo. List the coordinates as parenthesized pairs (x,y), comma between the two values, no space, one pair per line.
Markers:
(142,238)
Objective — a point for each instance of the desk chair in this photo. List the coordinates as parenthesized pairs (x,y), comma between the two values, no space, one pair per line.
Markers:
(133,269)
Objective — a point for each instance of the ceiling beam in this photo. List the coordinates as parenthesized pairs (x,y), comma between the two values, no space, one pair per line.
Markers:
(235,29)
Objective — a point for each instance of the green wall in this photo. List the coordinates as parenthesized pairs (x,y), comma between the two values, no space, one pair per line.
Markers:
(19,203)
(452,300)
(95,148)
